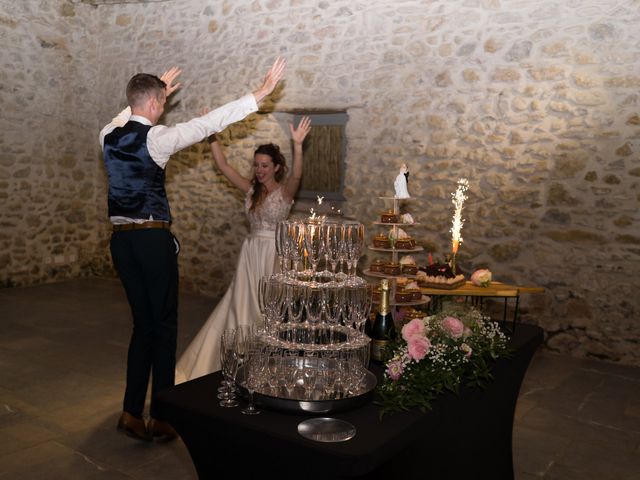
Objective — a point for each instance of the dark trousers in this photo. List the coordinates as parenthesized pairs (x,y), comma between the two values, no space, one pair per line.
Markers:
(147,263)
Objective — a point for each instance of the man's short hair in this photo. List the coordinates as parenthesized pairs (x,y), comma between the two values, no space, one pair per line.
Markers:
(141,86)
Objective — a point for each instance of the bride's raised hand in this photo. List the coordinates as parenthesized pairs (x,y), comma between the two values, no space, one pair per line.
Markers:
(304,127)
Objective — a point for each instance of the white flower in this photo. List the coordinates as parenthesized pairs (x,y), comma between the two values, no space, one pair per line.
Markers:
(481,277)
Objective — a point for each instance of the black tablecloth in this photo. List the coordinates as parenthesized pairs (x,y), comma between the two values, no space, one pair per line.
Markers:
(465,435)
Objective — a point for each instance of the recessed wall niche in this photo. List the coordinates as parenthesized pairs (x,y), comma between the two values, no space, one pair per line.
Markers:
(324,153)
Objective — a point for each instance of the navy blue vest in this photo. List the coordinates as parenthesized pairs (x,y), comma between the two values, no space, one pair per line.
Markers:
(136,182)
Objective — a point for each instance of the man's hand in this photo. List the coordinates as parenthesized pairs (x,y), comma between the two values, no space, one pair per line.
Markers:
(168,78)
(271,79)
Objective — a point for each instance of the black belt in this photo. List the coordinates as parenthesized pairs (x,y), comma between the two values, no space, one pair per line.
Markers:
(123,227)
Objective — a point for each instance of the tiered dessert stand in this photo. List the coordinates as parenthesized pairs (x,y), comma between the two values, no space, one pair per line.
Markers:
(394,254)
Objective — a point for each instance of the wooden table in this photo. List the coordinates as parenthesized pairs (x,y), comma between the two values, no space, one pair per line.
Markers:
(477,294)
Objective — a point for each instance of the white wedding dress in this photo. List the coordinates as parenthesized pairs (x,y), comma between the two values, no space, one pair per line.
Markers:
(239,306)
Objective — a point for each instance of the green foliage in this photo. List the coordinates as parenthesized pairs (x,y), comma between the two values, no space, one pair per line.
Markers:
(436,354)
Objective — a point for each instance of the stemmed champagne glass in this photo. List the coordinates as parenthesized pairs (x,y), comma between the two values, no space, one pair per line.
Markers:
(325,241)
(327,375)
(229,359)
(354,239)
(313,245)
(309,375)
(334,304)
(274,369)
(355,374)
(313,303)
(342,250)
(262,302)
(348,236)
(244,334)
(295,305)
(291,366)
(278,300)
(332,246)
(341,374)
(283,247)
(368,302)
(295,238)
(226,389)
(358,246)
(272,300)
(253,371)
(359,303)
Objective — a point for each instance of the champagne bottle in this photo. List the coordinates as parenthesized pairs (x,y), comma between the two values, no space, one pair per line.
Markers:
(383,329)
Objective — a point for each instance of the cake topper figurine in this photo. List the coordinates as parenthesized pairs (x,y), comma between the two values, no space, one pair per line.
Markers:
(313,215)
(401,181)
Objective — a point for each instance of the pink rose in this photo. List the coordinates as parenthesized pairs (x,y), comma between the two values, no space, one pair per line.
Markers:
(395,369)
(413,328)
(452,326)
(481,277)
(418,347)
(466,349)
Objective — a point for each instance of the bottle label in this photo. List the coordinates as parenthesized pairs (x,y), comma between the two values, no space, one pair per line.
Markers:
(377,349)
(384,303)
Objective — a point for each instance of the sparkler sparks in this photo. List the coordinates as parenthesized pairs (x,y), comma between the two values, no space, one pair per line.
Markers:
(458,199)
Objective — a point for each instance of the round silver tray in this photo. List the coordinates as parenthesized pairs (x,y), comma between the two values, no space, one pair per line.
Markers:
(323,429)
(297,405)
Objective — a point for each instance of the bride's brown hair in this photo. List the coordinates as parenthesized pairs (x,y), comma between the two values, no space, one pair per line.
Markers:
(273,151)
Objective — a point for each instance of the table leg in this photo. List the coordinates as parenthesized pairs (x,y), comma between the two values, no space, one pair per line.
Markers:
(504,313)
(515,312)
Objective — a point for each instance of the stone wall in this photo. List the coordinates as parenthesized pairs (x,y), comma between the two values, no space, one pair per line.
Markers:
(535,102)
(48,175)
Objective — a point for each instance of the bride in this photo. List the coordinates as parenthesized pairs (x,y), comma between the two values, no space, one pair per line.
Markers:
(268,200)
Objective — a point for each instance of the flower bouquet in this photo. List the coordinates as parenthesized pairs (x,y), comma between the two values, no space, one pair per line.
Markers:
(438,353)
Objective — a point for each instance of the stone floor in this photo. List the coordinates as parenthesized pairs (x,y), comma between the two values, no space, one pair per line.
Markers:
(62,359)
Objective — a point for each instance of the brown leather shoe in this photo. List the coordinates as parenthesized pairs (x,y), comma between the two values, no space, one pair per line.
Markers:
(133,426)
(161,431)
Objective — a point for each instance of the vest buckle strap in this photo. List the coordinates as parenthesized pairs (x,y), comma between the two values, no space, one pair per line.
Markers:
(123,227)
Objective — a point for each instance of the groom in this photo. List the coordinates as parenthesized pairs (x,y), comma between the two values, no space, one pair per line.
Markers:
(143,249)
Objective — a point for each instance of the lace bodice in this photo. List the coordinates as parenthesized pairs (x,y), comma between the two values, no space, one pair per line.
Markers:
(273,209)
